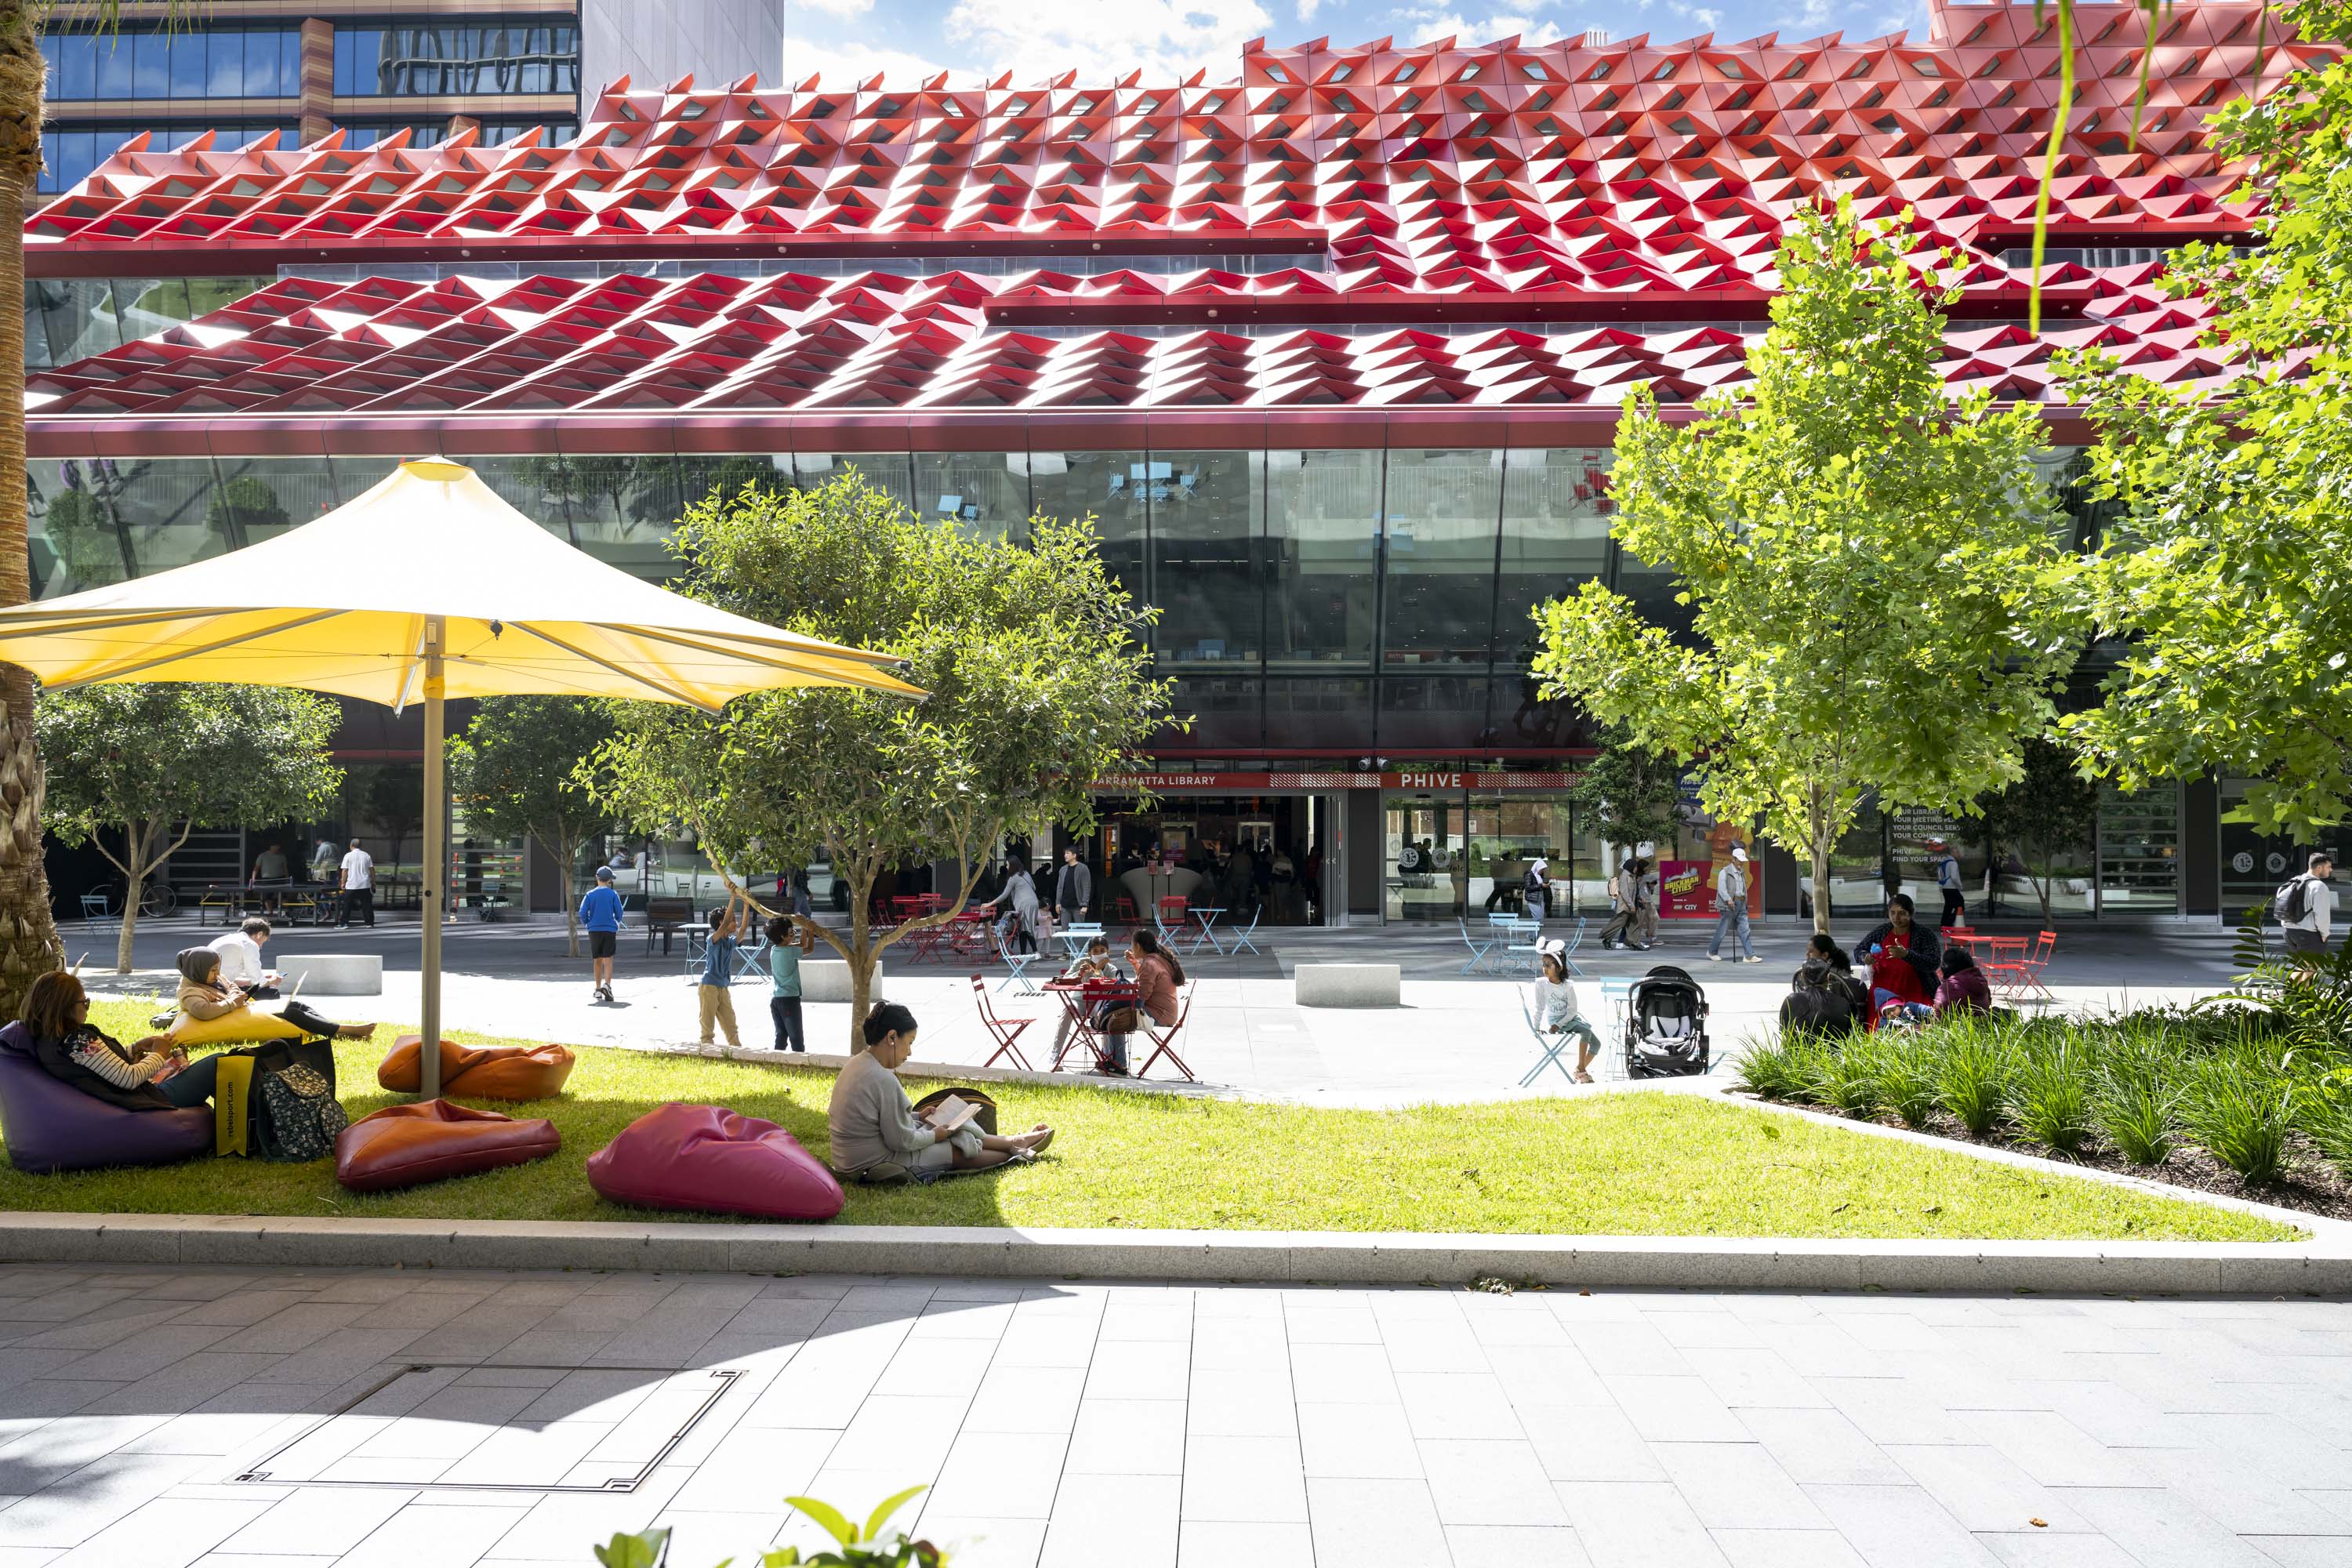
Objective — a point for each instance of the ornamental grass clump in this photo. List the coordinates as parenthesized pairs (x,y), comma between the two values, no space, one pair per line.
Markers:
(2137,1102)
(1974,1064)
(2050,1097)
(1905,1067)
(1849,1075)
(2239,1105)
(2325,1115)
(1778,1066)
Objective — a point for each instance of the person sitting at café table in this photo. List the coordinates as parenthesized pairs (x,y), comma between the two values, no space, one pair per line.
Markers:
(1158,978)
(1903,956)
(203,996)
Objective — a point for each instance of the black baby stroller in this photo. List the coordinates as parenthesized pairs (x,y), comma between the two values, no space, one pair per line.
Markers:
(1666,1025)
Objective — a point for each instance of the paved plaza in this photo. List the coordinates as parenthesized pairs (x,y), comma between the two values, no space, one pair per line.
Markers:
(382,1419)
(1458,1039)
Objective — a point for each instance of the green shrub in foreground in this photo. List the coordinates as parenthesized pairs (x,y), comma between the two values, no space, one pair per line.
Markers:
(1777,1067)
(1906,1068)
(2325,1114)
(1974,1063)
(2050,1097)
(1849,1075)
(2239,1106)
(2137,1102)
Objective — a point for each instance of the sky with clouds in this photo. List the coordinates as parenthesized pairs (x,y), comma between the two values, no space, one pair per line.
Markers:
(1168,39)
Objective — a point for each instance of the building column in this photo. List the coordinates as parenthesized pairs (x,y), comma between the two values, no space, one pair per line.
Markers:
(318,83)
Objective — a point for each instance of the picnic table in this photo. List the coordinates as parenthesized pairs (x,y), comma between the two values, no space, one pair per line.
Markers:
(1078,999)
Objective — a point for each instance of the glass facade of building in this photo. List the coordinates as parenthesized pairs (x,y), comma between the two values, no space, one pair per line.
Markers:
(469,58)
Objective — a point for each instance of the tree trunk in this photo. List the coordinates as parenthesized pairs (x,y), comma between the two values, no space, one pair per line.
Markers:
(28,932)
(565,849)
(1821,886)
(134,888)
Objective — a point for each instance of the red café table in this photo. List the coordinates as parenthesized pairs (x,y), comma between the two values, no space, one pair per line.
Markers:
(1995,947)
(1078,998)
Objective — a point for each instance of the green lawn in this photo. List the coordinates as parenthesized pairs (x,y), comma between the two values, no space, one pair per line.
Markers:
(1644,1164)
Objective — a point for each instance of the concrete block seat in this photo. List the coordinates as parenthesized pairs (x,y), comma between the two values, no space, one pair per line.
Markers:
(827,980)
(332,973)
(706,1160)
(53,1126)
(1347,984)
(404,1145)
(479,1072)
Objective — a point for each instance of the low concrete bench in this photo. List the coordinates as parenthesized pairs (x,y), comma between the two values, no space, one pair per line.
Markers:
(827,980)
(1346,984)
(332,974)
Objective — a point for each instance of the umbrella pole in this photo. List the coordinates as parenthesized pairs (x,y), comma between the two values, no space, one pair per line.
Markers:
(436,855)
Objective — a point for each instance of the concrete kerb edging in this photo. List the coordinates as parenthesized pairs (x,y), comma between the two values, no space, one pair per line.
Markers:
(2323,1269)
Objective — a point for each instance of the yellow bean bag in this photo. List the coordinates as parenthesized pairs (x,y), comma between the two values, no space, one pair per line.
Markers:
(243,1026)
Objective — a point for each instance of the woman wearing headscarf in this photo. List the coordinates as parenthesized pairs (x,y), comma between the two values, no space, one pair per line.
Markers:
(204,996)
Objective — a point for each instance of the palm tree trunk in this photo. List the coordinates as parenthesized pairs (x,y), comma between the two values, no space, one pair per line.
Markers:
(29,933)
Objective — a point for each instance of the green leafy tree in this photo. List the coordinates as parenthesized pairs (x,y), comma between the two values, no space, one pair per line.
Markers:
(1869,565)
(516,771)
(2046,812)
(240,505)
(2230,571)
(1633,793)
(1032,654)
(395,799)
(135,768)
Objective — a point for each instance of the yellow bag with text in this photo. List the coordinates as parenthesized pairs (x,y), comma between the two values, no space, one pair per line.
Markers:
(232,1117)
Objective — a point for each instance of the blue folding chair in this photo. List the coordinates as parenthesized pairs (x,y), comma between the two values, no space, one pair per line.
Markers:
(1241,934)
(1575,941)
(751,959)
(1479,949)
(1551,1045)
(1018,962)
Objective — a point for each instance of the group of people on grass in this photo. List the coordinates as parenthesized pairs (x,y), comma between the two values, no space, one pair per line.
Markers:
(157,1073)
(1914,976)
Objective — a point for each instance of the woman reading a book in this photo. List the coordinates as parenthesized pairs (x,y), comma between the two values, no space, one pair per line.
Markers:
(874,1126)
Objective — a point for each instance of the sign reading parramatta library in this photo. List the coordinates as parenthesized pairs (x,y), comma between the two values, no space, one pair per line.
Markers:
(1420,782)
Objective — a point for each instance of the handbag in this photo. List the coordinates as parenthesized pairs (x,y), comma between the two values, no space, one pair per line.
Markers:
(276,1101)
(986,1118)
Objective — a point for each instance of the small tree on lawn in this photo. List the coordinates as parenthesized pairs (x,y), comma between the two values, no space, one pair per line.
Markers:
(395,799)
(2046,811)
(1032,654)
(1869,561)
(145,764)
(516,771)
(1634,794)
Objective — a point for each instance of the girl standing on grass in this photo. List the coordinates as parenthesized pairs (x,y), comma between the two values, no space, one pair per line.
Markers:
(1555,1008)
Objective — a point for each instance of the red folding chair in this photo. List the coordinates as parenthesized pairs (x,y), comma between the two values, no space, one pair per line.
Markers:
(1164,1040)
(2018,977)
(1173,915)
(1006,1032)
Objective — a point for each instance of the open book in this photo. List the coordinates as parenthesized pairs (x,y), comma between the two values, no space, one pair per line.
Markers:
(952,1113)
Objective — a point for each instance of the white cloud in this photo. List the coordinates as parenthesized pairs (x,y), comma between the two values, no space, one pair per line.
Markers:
(843,63)
(1427,25)
(1166,40)
(1306,9)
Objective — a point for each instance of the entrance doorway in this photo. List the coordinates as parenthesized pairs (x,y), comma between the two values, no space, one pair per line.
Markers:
(1252,856)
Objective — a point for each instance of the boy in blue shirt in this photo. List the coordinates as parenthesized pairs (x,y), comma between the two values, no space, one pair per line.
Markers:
(788,937)
(600,913)
(717,974)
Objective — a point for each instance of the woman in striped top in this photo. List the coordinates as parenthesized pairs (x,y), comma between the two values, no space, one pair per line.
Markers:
(65,1042)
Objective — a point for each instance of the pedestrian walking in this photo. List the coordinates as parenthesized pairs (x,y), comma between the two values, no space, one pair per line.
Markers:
(1537,889)
(2305,906)
(600,913)
(1731,912)
(1074,889)
(359,886)
(1948,882)
(715,1004)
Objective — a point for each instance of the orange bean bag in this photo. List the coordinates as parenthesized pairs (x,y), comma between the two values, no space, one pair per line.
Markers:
(480,1073)
(403,1145)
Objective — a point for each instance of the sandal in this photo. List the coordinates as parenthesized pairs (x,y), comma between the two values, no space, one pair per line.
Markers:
(1584,1078)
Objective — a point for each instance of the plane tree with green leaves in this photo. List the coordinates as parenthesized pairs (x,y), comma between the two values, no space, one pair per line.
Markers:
(1880,599)
(2228,575)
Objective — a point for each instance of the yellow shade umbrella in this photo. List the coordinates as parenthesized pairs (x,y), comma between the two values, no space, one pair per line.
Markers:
(428,586)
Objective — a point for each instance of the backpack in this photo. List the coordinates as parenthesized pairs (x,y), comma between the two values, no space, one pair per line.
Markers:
(275,1101)
(2293,901)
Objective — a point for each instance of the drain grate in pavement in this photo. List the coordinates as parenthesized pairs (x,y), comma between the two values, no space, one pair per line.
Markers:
(501,1429)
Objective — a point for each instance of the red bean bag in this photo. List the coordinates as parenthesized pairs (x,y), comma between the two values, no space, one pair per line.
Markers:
(480,1073)
(403,1145)
(708,1160)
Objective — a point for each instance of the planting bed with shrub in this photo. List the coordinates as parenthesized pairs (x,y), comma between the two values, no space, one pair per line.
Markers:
(2249,1094)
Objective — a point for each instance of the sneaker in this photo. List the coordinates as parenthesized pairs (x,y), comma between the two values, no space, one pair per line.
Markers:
(1714,958)
(1751,958)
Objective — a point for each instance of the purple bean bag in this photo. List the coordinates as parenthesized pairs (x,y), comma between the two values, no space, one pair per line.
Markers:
(706,1159)
(53,1126)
